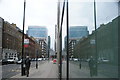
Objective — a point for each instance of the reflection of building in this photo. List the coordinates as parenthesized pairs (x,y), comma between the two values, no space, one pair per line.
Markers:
(1,24)
(75,34)
(40,33)
(107,43)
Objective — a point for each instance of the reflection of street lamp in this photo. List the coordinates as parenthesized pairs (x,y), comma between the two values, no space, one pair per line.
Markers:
(37,59)
(96,55)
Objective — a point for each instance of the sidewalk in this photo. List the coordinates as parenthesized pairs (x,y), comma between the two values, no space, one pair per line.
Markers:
(76,72)
(104,70)
(46,70)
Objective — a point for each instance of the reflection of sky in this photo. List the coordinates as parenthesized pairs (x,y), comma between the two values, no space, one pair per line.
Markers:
(44,12)
(81,13)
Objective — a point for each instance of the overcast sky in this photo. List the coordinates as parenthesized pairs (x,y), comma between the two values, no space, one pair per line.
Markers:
(44,13)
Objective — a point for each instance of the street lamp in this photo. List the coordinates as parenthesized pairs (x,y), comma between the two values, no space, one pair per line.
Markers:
(22,65)
(96,56)
(67,20)
(37,59)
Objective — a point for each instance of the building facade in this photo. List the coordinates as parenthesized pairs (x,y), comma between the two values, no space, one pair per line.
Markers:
(75,34)
(11,42)
(32,49)
(107,43)
(40,33)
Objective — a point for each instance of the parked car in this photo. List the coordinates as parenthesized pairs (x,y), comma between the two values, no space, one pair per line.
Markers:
(10,60)
(75,59)
(105,60)
(44,59)
(19,61)
(33,59)
(4,61)
(39,59)
(70,59)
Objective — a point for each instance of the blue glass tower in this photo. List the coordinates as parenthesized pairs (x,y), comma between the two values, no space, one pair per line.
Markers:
(37,31)
(77,32)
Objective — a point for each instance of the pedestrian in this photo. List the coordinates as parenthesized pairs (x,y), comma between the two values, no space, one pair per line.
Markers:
(80,63)
(27,64)
(91,66)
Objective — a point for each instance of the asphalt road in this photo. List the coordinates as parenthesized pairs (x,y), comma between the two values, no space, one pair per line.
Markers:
(10,70)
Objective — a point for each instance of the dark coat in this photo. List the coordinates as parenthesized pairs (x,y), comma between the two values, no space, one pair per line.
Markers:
(27,63)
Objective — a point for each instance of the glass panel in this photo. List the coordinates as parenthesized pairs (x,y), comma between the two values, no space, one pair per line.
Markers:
(95,52)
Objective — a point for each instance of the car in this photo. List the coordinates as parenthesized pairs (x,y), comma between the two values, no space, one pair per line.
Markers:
(19,61)
(4,61)
(39,59)
(70,59)
(44,59)
(87,60)
(33,59)
(10,60)
(75,59)
(105,60)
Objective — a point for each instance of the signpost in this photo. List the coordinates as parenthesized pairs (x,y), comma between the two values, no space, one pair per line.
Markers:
(26,43)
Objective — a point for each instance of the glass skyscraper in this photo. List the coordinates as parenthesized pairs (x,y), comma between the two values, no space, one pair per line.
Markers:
(38,32)
(77,32)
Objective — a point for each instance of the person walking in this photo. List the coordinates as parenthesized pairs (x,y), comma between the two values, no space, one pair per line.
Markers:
(91,66)
(80,63)
(27,63)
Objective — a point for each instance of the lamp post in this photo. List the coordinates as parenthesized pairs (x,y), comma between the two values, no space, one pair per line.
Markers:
(22,65)
(96,55)
(67,20)
(37,59)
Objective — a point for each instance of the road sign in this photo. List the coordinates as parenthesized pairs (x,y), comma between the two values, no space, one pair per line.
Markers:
(92,41)
(26,45)
(26,41)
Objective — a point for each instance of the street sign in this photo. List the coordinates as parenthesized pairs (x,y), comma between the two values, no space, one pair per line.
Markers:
(92,41)
(26,45)
(26,41)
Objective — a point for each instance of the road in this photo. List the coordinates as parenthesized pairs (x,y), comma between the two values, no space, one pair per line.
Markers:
(10,70)
(47,69)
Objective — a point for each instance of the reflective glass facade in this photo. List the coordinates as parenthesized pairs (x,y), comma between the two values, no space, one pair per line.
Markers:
(78,32)
(37,31)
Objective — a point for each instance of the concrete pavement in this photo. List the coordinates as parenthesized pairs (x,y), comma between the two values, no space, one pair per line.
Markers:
(46,70)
